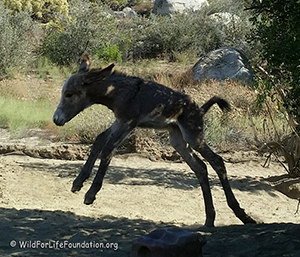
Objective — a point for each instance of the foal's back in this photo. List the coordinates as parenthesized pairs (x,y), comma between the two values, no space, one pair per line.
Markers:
(147,101)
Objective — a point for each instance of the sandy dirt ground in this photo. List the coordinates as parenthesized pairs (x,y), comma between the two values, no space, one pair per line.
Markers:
(40,216)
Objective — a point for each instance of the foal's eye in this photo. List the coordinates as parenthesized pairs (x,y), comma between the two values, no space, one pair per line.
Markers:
(68,95)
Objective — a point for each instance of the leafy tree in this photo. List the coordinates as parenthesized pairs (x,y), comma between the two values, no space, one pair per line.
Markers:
(44,10)
(277,29)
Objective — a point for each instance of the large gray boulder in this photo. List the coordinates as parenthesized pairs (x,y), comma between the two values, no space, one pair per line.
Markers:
(165,7)
(224,63)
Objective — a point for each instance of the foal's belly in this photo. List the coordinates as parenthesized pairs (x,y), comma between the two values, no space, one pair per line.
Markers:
(156,123)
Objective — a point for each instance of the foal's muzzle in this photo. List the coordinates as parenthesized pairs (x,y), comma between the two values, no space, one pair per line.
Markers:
(58,118)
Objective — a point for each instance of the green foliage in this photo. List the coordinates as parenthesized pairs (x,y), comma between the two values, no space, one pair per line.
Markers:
(85,31)
(109,53)
(89,27)
(43,10)
(119,4)
(191,32)
(17,40)
(277,28)
(93,29)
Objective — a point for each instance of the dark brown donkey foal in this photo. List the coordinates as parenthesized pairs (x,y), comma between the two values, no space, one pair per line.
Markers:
(139,103)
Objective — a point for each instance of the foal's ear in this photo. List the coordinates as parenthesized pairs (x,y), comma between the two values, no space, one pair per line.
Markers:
(99,74)
(85,64)
(106,71)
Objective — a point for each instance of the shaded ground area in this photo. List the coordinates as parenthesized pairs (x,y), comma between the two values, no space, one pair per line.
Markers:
(62,231)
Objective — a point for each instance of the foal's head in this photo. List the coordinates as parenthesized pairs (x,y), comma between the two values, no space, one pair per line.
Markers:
(74,92)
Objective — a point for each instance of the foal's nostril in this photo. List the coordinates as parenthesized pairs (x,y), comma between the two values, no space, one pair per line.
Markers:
(58,120)
(55,118)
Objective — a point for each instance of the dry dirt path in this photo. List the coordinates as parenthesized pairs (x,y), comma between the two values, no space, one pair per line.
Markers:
(138,196)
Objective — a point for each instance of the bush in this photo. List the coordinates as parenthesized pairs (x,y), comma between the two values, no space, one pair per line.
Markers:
(89,26)
(109,53)
(277,29)
(42,10)
(93,28)
(119,4)
(192,32)
(17,40)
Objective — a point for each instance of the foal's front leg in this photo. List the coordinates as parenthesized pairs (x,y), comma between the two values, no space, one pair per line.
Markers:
(119,133)
(96,150)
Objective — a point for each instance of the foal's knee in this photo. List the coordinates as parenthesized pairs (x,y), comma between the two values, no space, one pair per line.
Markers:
(215,160)
(219,167)
(219,162)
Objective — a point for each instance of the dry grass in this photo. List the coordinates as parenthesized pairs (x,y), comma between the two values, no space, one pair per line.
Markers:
(234,130)
(245,127)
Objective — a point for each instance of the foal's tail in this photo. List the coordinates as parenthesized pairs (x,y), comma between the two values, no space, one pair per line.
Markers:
(223,104)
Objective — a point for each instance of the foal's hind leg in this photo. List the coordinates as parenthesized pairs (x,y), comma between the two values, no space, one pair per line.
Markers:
(217,163)
(97,147)
(198,167)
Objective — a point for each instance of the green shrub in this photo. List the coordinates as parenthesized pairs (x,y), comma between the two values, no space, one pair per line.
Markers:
(89,25)
(191,32)
(43,10)
(92,28)
(109,53)
(17,41)
(119,4)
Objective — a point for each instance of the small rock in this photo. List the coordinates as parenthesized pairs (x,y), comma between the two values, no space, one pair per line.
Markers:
(167,242)
(166,7)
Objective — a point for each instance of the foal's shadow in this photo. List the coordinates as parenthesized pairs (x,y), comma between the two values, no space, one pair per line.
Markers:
(167,178)
(158,177)
(123,175)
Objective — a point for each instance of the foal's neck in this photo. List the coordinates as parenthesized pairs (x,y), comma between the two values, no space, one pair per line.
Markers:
(106,91)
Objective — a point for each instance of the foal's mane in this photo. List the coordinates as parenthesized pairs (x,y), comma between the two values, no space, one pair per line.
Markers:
(115,72)
(95,75)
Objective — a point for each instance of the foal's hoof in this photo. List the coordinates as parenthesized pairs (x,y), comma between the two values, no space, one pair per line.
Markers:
(89,199)
(76,188)
(209,223)
(248,219)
